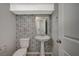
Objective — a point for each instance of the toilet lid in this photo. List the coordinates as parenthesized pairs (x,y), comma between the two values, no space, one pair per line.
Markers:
(20,52)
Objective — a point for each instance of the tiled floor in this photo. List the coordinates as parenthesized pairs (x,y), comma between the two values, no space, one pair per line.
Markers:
(37,54)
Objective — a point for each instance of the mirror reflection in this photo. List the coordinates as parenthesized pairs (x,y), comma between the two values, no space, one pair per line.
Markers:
(41,25)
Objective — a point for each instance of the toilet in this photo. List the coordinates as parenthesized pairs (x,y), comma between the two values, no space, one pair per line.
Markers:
(24,44)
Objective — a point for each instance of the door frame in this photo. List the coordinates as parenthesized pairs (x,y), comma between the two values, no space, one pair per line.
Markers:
(60,29)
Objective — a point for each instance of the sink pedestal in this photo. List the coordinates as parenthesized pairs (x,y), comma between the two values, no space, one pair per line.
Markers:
(42,39)
(42,49)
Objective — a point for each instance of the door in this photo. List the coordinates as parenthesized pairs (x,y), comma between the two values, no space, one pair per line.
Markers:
(68,29)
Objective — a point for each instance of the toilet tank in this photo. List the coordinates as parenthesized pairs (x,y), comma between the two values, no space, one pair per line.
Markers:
(24,42)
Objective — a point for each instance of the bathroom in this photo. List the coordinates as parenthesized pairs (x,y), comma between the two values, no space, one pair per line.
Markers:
(38,29)
(26,22)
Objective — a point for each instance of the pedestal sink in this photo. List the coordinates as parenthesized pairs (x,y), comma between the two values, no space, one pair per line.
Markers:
(42,38)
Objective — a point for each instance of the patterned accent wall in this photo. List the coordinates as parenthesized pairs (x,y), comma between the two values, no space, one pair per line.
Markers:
(26,27)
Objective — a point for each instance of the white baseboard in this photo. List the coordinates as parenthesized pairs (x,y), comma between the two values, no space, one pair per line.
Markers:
(39,53)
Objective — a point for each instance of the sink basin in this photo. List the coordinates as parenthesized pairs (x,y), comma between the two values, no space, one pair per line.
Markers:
(42,37)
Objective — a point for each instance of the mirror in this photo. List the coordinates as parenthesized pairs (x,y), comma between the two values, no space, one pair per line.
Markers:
(41,24)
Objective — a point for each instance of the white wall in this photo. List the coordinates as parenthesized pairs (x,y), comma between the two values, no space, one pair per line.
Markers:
(71,28)
(7,30)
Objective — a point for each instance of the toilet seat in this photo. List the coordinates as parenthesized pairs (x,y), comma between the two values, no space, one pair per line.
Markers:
(20,52)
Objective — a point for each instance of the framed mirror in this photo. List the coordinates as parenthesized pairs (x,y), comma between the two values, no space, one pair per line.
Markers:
(42,25)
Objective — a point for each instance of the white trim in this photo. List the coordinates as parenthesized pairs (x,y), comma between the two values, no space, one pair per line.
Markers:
(66,53)
(71,39)
(60,28)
